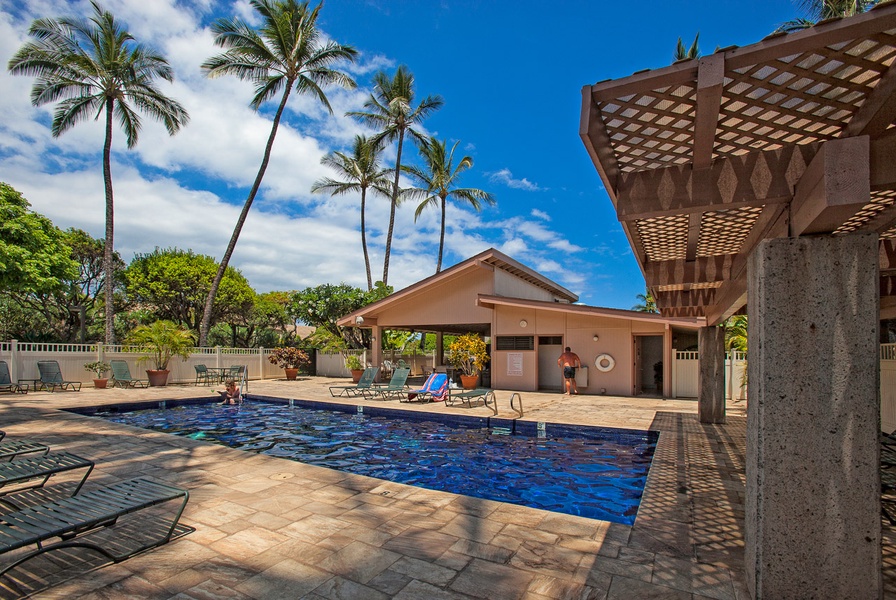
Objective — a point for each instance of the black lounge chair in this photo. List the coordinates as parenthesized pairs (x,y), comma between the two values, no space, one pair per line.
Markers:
(468,396)
(51,377)
(6,384)
(121,375)
(34,472)
(71,518)
(364,384)
(11,450)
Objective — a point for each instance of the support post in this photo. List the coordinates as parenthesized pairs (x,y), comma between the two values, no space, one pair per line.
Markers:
(812,526)
(711,379)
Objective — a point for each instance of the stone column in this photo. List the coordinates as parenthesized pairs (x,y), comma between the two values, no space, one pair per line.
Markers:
(812,525)
(711,382)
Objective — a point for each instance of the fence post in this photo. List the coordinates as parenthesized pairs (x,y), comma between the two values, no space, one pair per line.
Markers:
(217,357)
(674,373)
(14,359)
(100,352)
(261,363)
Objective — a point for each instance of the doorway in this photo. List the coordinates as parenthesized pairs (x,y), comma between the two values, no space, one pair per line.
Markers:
(550,347)
(648,365)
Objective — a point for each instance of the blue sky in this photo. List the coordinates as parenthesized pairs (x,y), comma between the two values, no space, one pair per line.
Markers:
(510,74)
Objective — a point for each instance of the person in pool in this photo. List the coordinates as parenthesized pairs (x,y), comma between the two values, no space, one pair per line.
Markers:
(231,395)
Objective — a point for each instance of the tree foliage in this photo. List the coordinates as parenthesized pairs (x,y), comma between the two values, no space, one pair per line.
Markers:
(34,258)
(172,284)
(286,52)
(646,302)
(821,10)
(322,306)
(92,67)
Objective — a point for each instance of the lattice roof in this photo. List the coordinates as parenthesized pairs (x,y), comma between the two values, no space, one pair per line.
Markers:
(705,158)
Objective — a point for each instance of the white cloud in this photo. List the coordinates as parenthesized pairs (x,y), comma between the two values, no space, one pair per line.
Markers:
(540,214)
(506,177)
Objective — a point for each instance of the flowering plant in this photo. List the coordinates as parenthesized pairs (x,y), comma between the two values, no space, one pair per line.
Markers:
(468,354)
(289,358)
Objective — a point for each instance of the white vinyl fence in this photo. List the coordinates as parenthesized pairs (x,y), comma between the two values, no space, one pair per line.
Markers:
(686,373)
(22,358)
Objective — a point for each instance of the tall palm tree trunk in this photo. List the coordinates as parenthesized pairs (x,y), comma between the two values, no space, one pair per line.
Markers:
(110,226)
(392,209)
(225,260)
(364,239)
(442,235)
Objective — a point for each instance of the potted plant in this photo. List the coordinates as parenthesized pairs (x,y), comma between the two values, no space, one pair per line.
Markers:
(353,364)
(99,368)
(290,360)
(468,354)
(162,341)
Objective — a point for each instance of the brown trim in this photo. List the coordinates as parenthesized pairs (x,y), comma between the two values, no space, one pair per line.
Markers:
(613,313)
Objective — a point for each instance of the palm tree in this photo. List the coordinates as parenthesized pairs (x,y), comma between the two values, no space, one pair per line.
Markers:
(682,53)
(390,111)
(820,10)
(286,51)
(439,178)
(647,302)
(359,171)
(94,67)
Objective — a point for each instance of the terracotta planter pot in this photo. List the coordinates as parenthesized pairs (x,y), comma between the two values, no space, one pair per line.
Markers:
(469,381)
(356,375)
(100,384)
(157,378)
(291,374)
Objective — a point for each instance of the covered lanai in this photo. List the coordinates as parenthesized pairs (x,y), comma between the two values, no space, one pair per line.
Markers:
(762,179)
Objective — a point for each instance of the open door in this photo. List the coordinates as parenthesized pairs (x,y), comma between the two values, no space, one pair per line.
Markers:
(550,347)
(648,374)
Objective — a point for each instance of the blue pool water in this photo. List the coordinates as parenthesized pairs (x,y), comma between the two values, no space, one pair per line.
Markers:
(587,471)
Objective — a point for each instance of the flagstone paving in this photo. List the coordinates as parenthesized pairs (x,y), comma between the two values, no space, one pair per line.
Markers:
(258,527)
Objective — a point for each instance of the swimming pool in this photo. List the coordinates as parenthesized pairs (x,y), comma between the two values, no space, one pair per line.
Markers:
(588,471)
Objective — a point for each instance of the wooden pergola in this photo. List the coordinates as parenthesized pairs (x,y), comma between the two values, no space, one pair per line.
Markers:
(705,158)
(765,177)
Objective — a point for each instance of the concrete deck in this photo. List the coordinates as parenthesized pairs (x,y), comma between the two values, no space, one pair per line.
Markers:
(272,528)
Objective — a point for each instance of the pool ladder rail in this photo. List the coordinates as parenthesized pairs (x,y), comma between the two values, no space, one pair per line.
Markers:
(519,411)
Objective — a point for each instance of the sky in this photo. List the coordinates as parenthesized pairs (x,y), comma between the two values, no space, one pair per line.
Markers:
(510,74)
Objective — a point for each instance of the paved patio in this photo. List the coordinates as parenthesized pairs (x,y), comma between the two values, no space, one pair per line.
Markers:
(272,528)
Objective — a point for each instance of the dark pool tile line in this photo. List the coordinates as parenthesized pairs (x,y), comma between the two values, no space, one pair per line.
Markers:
(145,405)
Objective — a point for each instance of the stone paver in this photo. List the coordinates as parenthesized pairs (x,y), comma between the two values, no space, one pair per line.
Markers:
(272,528)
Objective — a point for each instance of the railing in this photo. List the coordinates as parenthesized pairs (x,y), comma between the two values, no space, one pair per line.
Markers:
(888,351)
(22,358)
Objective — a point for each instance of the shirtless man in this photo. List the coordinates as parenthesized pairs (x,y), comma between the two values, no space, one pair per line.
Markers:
(569,361)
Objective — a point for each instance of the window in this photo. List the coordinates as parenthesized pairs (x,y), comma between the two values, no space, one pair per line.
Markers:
(515,342)
(550,340)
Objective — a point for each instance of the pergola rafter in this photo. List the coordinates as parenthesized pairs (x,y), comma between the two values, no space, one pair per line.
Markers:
(705,158)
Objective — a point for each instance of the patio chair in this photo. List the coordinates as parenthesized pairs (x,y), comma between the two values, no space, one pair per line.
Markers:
(203,375)
(365,383)
(468,396)
(239,373)
(397,386)
(69,518)
(433,390)
(51,377)
(6,384)
(10,450)
(121,374)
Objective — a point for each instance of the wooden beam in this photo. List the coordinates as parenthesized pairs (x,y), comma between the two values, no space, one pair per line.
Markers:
(594,135)
(645,81)
(753,179)
(883,163)
(878,110)
(710,83)
(729,300)
(702,270)
(694,220)
(887,254)
(834,187)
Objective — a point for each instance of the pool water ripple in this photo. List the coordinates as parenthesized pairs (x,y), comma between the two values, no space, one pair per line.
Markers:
(599,474)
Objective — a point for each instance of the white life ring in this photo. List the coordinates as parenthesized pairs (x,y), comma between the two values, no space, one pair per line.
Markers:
(604,363)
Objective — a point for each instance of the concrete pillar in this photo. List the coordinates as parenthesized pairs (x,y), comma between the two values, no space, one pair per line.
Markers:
(440,349)
(376,348)
(812,525)
(711,380)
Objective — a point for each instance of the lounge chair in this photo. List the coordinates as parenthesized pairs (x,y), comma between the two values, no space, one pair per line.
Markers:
(364,384)
(70,518)
(468,396)
(11,450)
(51,377)
(34,472)
(6,384)
(433,390)
(396,387)
(121,374)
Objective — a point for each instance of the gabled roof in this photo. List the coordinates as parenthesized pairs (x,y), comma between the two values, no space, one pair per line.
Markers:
(593,311)
(490,258)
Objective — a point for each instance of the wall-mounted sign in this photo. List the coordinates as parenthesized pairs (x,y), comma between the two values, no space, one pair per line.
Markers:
(515,364)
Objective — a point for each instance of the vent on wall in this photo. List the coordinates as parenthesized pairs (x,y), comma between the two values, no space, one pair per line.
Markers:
(515,342)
